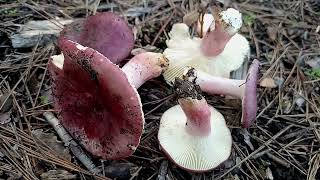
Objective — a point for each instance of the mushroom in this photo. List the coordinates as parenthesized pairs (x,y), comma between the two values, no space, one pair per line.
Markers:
(219,52)
(243,89)
(193,134)
(97,101)
(105,32)
(225,27)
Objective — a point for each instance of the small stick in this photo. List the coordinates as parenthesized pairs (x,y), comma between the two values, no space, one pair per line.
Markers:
(278,160)
(68,141)
(163,27)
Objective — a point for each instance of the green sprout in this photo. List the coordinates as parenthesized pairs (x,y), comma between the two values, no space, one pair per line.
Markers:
(313,73)
(43,99)
(249,19)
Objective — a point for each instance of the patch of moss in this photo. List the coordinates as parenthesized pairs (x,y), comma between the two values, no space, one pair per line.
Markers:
(313,73)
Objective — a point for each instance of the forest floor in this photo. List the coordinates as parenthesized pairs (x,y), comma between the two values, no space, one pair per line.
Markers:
(282,144)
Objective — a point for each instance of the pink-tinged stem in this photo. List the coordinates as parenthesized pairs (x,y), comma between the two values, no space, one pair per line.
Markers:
(219,85)
(144,66)
(213,42)
(198,116)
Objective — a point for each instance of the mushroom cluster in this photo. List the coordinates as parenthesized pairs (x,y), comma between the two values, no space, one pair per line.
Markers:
(219,52)
(213,57)
(205,63)
(97,100)
(99,105)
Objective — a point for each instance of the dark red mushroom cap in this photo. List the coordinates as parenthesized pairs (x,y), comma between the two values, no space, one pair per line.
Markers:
(249,101)
(96,102)
(105,32)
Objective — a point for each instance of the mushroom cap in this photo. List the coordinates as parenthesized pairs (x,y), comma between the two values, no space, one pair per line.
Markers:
(105,32)
(249,100)
(194,153)
(96,103)
(183,51)
(232,19)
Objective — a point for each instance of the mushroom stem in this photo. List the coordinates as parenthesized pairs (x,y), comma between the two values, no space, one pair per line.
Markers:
(194,106)
(246,90)
(198,116)
(143,67)
(227,24)
(214,42)
(219,85)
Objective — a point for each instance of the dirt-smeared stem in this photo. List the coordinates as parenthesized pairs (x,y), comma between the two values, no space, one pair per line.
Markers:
(144,66)
(246,90)
(194,106)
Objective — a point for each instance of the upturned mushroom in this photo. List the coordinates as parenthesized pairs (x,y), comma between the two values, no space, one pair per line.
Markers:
(97,101)
(193,134)
(246,89)
(219,52)
(105,32)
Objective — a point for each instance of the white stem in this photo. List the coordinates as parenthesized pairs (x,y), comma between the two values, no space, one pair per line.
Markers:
(143,67)
(198,116)
(218,85)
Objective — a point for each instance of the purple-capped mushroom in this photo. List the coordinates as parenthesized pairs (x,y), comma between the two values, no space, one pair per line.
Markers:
(97,101)
(105,32)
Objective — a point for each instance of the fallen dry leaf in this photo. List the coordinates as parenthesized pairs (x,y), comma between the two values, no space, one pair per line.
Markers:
(299,101)
(190,18)
(57,174)
(246,137)
(51,140)
(278,81)
(225,2)
(137,51)
(269,174)
(272,32)
(268,82)
(147,48)
(314,63)
(5,117)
